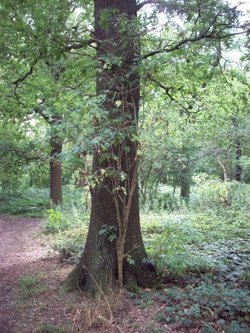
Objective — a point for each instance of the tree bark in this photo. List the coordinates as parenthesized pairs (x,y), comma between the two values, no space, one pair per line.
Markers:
(238,168)
(55,171)
(118,81)
(55,165)
(185,180)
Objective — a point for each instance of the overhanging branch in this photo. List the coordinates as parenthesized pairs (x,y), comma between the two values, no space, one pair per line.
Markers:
(147,2)
(180,44)
(79,45)
(39,111)
(28,73)
(165,88)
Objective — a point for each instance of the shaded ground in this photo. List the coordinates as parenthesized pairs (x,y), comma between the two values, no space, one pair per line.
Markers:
(17,249)
(27,300)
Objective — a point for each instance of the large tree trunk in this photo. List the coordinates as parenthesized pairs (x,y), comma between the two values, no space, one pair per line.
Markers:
(118,81)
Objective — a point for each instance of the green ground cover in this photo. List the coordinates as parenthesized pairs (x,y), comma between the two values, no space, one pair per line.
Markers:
(201,251)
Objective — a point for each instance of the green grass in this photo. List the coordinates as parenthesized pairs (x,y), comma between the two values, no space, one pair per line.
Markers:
(49,328)
(30,286)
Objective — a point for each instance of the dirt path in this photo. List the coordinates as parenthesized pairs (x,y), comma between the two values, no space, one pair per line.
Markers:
(18,248)
(22,254)
(18,244)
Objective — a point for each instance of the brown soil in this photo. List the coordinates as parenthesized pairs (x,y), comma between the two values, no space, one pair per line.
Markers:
(23,256)
(29,308)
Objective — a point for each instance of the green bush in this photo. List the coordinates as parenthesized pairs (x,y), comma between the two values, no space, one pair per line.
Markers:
(69,215)
(68,225)
(207,237)
(70,243)
(171,248)
(55,221)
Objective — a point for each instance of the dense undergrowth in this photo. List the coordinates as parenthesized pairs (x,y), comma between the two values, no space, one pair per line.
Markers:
(31,202)
(201,251)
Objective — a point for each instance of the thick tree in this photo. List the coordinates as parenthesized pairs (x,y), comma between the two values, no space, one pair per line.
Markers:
(114,231)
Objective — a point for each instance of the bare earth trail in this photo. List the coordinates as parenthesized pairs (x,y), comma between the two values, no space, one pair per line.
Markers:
(17,248)
(21,253)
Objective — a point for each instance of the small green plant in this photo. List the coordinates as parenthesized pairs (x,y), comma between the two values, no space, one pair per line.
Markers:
(213,307)
(70,243)
(48,328)
(109,232)
(30,285)
(55,221)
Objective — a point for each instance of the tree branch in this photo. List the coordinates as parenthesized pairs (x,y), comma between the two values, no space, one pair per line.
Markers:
(79,45)
(167,89)
(146,2)
(191,40)
(39,111)
(28,73)
(21,153)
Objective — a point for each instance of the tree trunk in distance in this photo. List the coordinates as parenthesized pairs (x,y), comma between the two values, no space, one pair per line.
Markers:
(238,168)
(55,171)
(185,174)
(185,180)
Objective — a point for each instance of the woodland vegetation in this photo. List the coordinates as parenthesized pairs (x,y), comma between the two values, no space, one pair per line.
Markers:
(126,125)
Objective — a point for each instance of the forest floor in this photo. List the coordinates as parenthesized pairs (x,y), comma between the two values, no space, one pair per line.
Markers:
(31,293)
(29,278)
